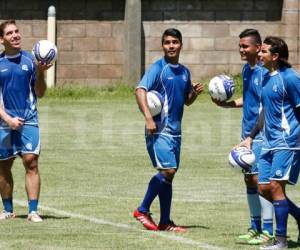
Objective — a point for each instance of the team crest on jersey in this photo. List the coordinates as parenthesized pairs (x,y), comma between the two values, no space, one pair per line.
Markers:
(256,81)
(278,173)
(184,78)
(275,88)
(28,146)
(25,67)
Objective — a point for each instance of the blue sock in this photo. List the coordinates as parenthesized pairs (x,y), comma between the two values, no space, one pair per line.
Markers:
(281,208)
(8,205)
(154,187)
(32,205)
(165,200)
(293,209)
(255,208)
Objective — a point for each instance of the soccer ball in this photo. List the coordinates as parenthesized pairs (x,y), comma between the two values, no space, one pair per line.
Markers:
(155,102)
(45,51)
(221,87)
(241,158)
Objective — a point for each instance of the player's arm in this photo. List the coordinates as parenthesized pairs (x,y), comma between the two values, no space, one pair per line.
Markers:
(13,122)
(141,98)
(254,132)
(193,94)
(40,83)
(237,103)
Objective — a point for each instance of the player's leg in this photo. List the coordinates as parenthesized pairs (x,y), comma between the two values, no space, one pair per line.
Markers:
(171,164)
(266,204)
(251,181)
(29,148)
(165,196)
(165,201)
(142,213)
(281,209)
(265,199)
(32,185)
(6,188)
(280,175)
(253,202)
(294,210)
(6,179)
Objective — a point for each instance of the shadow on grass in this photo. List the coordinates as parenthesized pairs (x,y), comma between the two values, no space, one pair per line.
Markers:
(291,244)
(45,217)
(196,226)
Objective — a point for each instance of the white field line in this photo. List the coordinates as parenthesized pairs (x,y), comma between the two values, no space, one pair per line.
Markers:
(230,199)
(95,220)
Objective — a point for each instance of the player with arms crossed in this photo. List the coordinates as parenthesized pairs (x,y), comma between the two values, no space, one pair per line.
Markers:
(21,82)
(163,132)
(253,74)
(279,162)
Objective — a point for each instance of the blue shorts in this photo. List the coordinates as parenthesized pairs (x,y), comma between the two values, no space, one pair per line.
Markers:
(164,150)
(256,148)
(25,140)
(280,165)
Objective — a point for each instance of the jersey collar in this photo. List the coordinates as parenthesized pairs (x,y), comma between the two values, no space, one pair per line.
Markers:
(273,73)
(13,56)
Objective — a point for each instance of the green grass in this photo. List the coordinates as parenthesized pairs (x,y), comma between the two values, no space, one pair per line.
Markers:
(84,92)
(95,170)
(118,91)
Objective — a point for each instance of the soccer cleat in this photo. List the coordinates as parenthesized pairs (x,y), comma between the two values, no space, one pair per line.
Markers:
(263,238)
(276,243)
(34,217)
(7,215)
(145,219)
(250,235)
(171,227)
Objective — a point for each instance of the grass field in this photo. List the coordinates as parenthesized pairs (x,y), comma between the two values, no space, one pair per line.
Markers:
(95,170)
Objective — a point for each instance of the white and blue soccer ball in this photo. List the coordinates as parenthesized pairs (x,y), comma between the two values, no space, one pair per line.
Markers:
(155,102)
(241,158)
(45,51)
(221,87)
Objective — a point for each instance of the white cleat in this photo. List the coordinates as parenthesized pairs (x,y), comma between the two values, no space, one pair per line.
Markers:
(7,215)
(34,217)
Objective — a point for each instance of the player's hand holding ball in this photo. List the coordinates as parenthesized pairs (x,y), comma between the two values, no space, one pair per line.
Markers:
(221,88)
(45,54)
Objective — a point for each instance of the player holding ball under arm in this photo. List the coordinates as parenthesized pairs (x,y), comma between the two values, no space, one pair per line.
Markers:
(21,82)
(163,132)
(253,74)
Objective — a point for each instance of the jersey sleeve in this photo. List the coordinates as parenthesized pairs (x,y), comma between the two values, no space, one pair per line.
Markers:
(150,78)
(293,88)
(188,87)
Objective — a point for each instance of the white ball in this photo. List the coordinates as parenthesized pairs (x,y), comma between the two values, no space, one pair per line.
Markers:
(45,51)
(155,102)
(221,87)
(241,158)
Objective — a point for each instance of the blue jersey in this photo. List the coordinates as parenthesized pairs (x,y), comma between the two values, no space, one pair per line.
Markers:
(280,98)
(173,82)
(252,87)
(17,78)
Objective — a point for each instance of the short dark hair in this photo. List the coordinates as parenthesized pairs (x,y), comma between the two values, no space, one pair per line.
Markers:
(172,32)
(4,24)
(253,33)
(279,46)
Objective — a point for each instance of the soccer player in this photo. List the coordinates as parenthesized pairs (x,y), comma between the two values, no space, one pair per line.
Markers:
(163,132)
(253,74)
(21,82)
(279,162)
